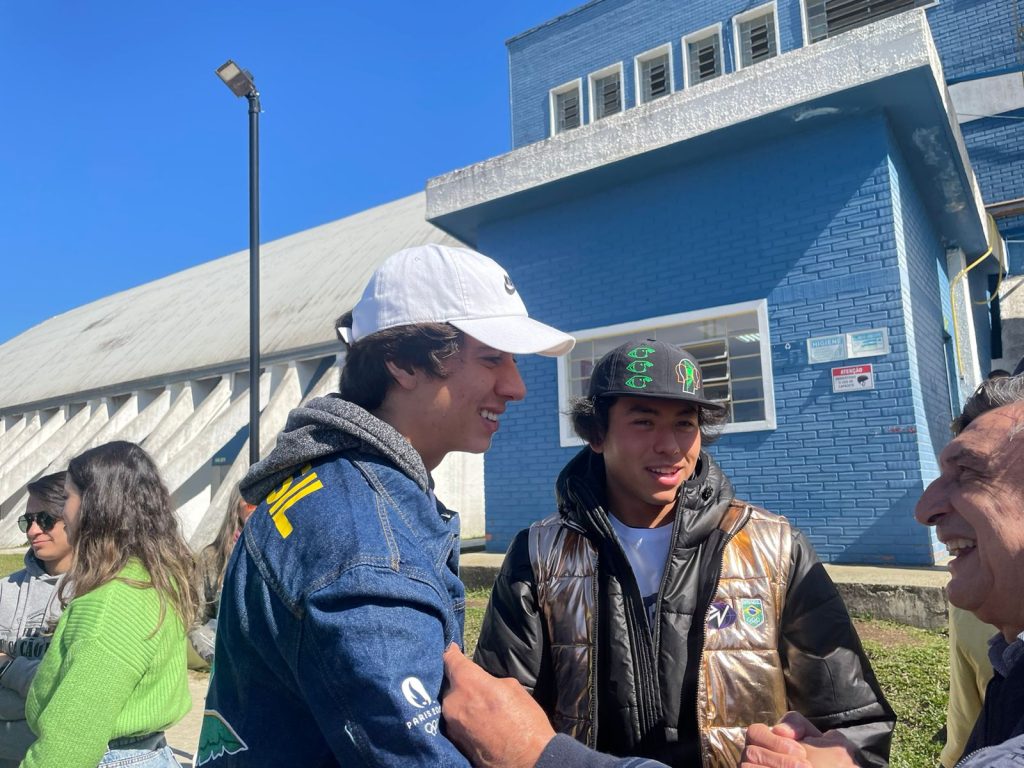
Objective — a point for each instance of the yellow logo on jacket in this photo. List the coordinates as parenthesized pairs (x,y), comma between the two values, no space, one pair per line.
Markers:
(294,488)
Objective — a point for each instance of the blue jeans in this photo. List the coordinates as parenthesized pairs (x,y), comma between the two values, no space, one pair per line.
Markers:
(139,758)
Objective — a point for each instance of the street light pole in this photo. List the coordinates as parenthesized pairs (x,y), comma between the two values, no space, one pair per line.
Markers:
(241,83)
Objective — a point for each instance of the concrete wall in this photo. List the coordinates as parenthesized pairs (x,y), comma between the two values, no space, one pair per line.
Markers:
(829,238)
(185,425)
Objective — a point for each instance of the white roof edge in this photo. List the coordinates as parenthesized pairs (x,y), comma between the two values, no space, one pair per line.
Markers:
(878,50)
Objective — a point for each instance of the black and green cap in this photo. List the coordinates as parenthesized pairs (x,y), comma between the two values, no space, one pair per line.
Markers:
(646,368)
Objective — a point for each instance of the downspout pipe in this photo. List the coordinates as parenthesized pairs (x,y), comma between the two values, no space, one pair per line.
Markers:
(962,275)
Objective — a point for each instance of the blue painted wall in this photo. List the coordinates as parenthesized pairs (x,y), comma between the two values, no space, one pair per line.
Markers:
(834,242)
(605,32)
(995,146)
(976,36)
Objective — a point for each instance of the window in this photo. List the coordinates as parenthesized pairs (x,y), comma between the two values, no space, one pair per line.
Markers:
(730,342)
(702,52)
(827,18)
(606,92)
(756,36)
(653,74)
(566,107)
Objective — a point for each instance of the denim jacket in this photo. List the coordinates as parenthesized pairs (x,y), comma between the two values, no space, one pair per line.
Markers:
(337,605)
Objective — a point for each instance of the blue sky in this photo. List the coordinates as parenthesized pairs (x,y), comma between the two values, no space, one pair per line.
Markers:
(123,158)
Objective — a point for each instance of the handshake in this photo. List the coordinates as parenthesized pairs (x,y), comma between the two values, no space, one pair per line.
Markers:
(794,742)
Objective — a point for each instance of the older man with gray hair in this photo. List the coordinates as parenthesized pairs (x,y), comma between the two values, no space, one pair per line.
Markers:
(977,507)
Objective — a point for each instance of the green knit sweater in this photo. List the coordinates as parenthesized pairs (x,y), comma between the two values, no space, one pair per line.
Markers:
(106,675)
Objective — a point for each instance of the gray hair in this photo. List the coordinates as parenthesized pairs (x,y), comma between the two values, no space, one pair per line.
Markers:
(991,394)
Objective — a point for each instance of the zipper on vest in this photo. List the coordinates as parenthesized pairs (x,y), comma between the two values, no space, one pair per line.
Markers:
(656,622)
(592,671)
(640,638)
(702,723)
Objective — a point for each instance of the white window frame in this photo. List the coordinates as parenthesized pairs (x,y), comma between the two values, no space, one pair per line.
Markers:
(751,14)
(661,50)
(592,77)
(568,439)
(553,95)
(700,34)
(806,32)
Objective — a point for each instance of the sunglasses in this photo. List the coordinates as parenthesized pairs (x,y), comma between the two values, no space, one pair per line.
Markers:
(44,520)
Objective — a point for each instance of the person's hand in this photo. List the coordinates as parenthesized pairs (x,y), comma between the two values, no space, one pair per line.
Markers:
(495,722)
(767,748)
(794,742)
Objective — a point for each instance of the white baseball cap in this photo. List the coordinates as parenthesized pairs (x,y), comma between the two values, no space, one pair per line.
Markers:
(441,284)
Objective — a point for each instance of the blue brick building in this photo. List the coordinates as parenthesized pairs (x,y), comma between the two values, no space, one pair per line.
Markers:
(786,193)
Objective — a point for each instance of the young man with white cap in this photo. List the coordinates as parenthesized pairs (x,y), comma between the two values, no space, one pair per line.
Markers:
(655,614)
(343,590)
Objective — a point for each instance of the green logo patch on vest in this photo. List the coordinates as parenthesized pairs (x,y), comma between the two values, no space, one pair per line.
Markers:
(752,611)
(217,738)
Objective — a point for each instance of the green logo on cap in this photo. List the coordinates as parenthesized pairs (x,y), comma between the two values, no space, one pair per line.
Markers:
(638,382)
(639,366)
(640,353)
(688,375)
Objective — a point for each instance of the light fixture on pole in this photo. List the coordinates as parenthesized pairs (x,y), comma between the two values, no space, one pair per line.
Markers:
(241,83)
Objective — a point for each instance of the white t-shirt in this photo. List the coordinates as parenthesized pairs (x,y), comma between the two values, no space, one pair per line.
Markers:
(647,551)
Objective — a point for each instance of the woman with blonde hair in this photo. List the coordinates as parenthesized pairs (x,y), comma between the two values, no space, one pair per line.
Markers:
(114,677)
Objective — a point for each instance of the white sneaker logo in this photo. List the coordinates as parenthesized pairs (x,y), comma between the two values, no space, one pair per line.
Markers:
(415,693)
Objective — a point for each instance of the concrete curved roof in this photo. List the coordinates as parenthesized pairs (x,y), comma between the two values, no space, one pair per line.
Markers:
(199,318)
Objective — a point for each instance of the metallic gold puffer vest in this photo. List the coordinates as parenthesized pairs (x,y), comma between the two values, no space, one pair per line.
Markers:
(740,680)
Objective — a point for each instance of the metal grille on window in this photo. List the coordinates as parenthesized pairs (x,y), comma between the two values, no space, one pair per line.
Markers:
(654,76)
(728,349)
(607,91)
(705,60)
(567,105)
(827,18)
(757,39)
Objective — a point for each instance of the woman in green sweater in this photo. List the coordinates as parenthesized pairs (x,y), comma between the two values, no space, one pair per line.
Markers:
(114,676)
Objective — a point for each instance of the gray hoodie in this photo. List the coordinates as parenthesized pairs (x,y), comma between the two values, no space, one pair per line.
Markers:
(29,610)
(324,426)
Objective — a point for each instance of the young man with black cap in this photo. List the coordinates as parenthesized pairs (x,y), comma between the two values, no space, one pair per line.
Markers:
(343,590)
(657,615)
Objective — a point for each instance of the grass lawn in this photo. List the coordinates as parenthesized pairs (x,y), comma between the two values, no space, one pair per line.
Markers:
(912,666)
(11,563)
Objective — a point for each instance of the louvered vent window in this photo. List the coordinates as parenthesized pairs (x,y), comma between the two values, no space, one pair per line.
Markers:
(704,58)
(757,38)
(828,18)
(566,110)
(607,95)
(654,78)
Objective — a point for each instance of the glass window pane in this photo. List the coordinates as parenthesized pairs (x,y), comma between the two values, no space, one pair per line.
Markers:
(745,367)
(753,411)
(747,389)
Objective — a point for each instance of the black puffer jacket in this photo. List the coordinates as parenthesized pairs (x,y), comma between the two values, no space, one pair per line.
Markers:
(646,697)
